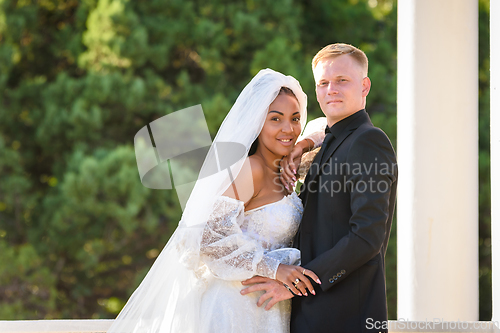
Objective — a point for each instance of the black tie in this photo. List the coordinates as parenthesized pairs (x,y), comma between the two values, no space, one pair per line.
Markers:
(327,142)
(324,146)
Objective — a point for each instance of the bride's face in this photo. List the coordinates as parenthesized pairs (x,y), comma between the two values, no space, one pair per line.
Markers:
(282,126)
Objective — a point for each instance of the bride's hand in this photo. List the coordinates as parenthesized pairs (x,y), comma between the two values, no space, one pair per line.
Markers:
(295,277)
(290,163)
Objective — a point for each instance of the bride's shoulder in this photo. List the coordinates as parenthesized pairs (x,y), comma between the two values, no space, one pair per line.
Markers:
(257,166)
(249,181)
(257,170)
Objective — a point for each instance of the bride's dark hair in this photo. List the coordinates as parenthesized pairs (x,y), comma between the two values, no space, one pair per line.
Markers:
(283,91)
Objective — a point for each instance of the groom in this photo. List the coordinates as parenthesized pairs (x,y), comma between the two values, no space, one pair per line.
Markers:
(348,196)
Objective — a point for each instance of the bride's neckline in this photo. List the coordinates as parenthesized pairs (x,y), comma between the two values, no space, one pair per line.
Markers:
(269,204)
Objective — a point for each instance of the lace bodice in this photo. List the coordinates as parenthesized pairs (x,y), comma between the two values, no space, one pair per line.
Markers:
(274,225)
(237,245)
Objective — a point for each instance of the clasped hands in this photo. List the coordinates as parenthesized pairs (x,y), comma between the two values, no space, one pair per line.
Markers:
(290,281)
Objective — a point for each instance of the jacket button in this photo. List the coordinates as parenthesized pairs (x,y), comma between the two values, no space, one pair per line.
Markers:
(339,274)
(335,278)
(342,271)
(331,280)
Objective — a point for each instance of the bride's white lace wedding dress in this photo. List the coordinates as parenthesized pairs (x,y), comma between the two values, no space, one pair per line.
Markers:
(237,245)
(194,285)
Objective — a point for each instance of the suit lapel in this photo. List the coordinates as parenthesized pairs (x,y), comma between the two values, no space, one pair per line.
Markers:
(315,171)
(355,123)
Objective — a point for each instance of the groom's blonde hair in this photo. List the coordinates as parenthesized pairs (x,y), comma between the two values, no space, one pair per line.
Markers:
(335,50)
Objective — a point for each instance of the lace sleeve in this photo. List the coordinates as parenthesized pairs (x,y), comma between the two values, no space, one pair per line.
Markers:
(315,131)
(228,252)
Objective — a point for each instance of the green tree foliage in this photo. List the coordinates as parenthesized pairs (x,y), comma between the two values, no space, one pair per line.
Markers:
(485,309)
(78,79)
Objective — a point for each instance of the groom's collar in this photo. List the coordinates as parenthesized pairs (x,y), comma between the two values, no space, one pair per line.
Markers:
(340,126)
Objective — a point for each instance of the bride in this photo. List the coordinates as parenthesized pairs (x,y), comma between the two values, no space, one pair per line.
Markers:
(238,222)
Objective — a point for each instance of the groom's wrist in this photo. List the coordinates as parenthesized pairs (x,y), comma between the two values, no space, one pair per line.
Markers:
(306,145)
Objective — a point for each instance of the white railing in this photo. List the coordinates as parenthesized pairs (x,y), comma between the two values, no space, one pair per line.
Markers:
(102,325)
(55,326)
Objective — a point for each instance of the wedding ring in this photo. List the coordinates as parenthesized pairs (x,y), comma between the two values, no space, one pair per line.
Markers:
(296,281)
(304,272)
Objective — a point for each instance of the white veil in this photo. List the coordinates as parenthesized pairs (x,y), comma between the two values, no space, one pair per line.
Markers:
(168,299)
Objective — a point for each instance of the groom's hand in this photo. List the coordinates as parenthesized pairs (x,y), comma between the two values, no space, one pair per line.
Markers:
(275,291)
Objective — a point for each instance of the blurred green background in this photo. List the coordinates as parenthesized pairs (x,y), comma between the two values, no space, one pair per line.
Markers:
(78,79)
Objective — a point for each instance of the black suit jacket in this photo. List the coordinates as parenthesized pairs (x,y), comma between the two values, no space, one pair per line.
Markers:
(348,209)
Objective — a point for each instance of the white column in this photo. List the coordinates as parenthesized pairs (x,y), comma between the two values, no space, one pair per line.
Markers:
(437,216)
(495,152)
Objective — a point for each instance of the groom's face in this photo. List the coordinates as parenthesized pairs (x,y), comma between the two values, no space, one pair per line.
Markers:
(341,87)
